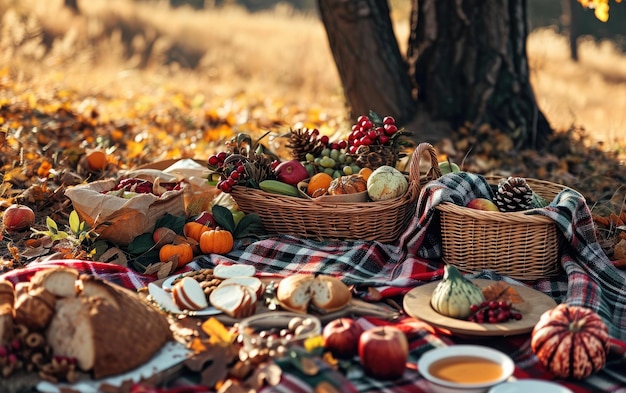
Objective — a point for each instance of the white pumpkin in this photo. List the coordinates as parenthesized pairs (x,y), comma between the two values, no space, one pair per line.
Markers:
(386,182)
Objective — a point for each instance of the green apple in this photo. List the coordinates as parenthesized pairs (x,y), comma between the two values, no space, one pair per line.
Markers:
(482,204)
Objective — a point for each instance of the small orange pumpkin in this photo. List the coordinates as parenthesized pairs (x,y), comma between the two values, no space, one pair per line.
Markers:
(350,184)
(216,241)
(182,251)
(194,230)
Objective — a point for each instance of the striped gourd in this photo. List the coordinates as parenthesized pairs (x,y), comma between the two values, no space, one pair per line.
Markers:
(454,295)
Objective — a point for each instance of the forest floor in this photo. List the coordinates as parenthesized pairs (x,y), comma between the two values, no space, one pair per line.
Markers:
(118,79)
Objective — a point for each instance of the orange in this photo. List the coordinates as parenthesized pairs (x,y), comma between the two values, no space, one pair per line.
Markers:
(317,181)
(365,172)
(97,160)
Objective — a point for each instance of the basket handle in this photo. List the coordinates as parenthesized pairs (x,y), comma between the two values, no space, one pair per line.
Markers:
(414,170)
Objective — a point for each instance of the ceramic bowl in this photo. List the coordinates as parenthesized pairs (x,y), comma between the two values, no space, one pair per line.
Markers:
(529,385)
(274,330)
(439,383)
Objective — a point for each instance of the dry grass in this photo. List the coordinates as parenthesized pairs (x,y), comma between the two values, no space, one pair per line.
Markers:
(274,56)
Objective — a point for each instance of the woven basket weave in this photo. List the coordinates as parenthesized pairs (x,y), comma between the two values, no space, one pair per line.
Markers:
(382,221)
(522,246)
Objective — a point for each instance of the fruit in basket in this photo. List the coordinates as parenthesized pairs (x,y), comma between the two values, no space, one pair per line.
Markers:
(319,181)
(351,184)
(163,235)
(383,352)
(571,341)
(216,241)
(291,172)
(448,167)
(385,183)
(18,217)
(278,187)
(482,204)
(454,295)
(341,337)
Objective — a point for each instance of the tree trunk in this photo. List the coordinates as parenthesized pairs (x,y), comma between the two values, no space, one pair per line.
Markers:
(371,68)
(468,60)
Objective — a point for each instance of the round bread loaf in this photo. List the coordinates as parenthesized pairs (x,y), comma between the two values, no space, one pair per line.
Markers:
(327,293)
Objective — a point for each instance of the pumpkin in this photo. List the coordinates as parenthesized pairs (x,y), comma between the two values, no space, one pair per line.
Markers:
(194,229)
(182,251)
(386,182)
(216,241)
(571,341)
(455,294)
(350,184)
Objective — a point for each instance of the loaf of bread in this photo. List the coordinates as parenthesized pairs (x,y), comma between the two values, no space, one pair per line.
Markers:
(35,308)
(61,281)
(298,291)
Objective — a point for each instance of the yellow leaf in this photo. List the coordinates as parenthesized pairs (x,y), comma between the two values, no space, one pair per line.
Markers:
(218,333)
(602,12)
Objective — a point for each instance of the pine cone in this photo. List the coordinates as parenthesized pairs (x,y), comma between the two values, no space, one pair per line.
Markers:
(514,195)
(375,156)
(304,141)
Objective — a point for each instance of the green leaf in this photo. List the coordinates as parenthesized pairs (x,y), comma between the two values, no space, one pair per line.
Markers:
(250,224)
(141,244)
(52,226)
(74,222)
(223,218)
(142,261)
(175,223)
(375,117)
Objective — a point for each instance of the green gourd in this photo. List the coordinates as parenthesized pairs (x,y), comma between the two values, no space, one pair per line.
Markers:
(455,294)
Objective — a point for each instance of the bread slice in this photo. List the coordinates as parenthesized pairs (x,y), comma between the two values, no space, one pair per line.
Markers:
(188,295)
(236,270)
(93,287)
(329,293)
(61,281)
(228,299)
(253,283)
(104,338)
(294,292)
(35,308)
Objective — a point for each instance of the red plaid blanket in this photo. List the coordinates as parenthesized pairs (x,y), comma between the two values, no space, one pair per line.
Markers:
(589,278)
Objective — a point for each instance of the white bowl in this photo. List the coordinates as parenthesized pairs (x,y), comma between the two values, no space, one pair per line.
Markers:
(529,385)
(439,385)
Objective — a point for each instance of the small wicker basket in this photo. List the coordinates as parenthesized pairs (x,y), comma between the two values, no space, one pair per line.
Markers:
(382,221)
(518,245)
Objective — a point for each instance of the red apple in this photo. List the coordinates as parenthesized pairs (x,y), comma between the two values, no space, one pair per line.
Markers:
(18,217)
(482,204)
(341,337)
(384,351)
(205,218)
(291,172)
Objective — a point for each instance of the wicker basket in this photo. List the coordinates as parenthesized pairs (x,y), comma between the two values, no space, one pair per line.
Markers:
(522,246)
(383,221)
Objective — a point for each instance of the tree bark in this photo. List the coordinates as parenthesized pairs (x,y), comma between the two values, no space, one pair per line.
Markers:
(371,68)
(468,61)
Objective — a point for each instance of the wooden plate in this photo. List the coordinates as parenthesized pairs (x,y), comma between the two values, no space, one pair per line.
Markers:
(417,305)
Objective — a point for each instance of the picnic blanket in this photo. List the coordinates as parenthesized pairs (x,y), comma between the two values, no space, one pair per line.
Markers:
(589,279)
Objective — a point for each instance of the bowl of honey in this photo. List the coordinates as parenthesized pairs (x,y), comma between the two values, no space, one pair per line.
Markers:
(464,368)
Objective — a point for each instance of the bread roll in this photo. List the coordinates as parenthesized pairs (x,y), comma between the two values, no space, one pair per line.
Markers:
(61,281)
(110,331)
(329,293)
(35,308)
(297,291)
(7,298)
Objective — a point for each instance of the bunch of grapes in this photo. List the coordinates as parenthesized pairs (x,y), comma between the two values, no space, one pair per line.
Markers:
(493,312)
(369,130)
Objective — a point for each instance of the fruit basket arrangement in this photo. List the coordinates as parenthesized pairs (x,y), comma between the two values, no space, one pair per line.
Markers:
(499,235)
(305,196)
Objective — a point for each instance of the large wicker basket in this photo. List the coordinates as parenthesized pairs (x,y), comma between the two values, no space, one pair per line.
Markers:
(522,246)
(382,221)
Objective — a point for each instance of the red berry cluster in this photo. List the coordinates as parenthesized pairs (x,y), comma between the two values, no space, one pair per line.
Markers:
(493,312)
(232,173)
(367,132)
(324,140)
